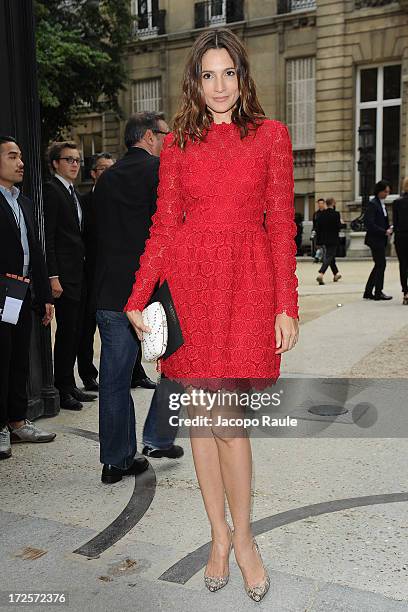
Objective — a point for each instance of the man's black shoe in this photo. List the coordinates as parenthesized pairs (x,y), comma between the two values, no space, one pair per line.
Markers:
(382,296)
(145,383)
(90,384)
(368,296)
(174,452)
(112,474)
(69,403)
(81,396)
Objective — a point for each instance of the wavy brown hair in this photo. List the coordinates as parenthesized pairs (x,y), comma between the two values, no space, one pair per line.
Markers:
(193,118)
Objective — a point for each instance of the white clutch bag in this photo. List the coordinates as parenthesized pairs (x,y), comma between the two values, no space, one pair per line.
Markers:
(154,343)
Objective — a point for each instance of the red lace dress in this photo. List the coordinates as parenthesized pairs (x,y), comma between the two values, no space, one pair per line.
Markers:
(229,272)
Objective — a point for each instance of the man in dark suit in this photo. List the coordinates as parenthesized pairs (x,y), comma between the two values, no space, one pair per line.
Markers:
(65,260)
(328,225)
(125,202)
(316,242)
(86,368)
(378,230)
(20,255)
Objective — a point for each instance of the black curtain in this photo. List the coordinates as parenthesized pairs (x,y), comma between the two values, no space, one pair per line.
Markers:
(20,117)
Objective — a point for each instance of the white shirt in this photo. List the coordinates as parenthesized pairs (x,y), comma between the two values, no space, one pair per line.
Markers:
(68,186)
(383,207)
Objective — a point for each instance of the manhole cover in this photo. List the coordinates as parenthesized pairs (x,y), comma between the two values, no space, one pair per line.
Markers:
(327,410)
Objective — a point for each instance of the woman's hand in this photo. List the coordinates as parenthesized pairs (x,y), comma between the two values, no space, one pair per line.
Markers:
(136,320)
(286,333)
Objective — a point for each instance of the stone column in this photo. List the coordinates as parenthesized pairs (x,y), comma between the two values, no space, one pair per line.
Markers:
(334,104)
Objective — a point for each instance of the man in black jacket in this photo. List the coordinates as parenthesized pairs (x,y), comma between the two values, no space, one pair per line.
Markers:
(21,256)
(378,230)
(65,260)
(328,225)
(316,242)
(125,202)
(86,368)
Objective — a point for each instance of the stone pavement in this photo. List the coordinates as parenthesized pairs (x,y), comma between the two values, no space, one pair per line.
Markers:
(329,506)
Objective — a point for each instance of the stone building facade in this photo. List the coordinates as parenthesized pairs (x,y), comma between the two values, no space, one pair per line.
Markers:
(324,67)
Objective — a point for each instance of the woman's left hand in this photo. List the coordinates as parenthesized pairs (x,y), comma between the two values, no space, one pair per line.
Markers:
(286,333)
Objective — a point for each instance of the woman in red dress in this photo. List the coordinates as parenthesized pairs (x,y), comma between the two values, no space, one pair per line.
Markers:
(223,238)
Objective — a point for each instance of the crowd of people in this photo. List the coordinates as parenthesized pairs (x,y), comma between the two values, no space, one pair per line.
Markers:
(66,281)
(325,239)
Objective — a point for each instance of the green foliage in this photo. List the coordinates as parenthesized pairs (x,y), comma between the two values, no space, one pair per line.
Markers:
(80,47)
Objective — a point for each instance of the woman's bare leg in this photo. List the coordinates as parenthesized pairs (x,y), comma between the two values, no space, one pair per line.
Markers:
(235,458)
(207,466)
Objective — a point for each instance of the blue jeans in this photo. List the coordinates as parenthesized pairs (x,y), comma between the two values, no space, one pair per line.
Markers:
(117,427)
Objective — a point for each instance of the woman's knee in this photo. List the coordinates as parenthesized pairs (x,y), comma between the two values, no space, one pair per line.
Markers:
(230,436)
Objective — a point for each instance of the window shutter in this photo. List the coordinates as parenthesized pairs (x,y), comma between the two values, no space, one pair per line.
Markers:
(155,13)
(146,95)
(199,14)
(235,10)
(300,90)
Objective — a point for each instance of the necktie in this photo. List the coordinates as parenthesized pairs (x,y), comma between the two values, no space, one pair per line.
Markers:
(76,205)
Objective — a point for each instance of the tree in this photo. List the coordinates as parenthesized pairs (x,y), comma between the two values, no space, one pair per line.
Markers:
(80,48)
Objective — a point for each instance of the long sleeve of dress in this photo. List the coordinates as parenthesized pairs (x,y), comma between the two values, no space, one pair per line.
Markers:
(167,218)
(280,224)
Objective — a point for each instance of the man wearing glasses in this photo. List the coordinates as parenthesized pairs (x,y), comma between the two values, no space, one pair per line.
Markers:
(65,250)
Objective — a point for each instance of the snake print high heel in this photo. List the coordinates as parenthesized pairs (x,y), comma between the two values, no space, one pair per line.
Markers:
(215,583)
(258,592)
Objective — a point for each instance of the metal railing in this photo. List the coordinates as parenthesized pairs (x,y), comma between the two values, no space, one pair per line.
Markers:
(217,12)
(149,24)
(291,6)
(359,4)
(304,158)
